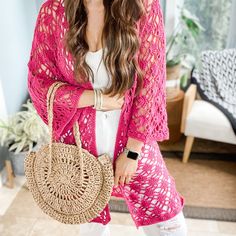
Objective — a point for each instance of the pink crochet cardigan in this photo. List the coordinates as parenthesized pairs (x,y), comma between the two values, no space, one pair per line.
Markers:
(151,196)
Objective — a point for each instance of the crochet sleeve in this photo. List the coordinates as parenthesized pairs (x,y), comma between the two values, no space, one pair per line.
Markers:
(149,117)
(42,72)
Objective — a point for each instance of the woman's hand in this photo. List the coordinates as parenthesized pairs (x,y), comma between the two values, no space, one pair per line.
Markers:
(109,103)
(125,168)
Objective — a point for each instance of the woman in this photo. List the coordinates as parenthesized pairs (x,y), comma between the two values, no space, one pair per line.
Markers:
(117,46)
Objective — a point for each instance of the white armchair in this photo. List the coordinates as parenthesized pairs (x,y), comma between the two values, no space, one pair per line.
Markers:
(201,119)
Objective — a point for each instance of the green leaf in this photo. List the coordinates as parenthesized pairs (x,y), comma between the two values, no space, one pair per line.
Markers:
(173,62)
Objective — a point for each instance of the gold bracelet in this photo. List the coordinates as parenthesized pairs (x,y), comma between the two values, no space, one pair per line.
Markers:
(97,105)
(95,98)
(98,99)
(101,99)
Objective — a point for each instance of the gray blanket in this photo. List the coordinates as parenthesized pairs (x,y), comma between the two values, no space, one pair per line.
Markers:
(216,81)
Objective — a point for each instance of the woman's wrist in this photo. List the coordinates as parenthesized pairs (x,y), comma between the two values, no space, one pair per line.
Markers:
(134,144)
(86,99)
(98,99)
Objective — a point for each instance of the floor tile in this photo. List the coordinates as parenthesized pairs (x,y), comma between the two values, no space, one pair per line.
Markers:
(7,195)
(227,227)
(202,225)
(16,226)
(46,227)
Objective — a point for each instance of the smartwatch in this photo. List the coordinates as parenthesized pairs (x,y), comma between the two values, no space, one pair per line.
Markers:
(130,154)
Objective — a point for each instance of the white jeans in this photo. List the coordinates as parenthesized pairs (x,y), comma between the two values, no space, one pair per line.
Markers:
(175,226)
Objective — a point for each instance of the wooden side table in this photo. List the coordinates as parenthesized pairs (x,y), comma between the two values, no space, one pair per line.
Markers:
(174,112)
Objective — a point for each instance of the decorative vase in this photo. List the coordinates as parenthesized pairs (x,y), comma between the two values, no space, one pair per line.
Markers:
(17,160)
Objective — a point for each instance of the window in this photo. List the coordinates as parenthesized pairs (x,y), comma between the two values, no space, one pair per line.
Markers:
(215,18)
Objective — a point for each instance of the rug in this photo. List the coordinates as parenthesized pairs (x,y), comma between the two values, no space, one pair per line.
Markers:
(208,186)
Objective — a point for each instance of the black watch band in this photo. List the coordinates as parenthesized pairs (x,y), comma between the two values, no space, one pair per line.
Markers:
(131,154)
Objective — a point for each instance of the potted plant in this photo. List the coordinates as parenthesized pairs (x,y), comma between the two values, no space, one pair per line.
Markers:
(21,133)
(181,46)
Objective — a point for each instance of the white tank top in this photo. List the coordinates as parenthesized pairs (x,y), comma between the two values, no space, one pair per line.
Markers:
(106,121)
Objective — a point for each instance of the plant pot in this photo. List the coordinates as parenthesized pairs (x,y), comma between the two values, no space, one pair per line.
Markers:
(173,72)
(173,81)
(17,161)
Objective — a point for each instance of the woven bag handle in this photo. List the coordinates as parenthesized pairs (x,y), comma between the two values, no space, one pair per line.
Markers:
(50,99)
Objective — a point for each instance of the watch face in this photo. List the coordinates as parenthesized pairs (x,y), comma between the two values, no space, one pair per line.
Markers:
(133,155)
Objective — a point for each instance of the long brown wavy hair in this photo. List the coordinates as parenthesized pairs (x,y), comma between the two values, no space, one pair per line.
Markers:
(119,35)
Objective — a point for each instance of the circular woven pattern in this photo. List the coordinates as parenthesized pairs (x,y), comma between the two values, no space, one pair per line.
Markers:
(67,182)
(69,194)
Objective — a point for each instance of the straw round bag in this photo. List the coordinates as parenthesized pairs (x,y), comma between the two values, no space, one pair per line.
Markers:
(66,181)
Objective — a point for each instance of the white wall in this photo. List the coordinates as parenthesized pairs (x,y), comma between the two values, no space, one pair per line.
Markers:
(17,20)
(39,3)
(3,110)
